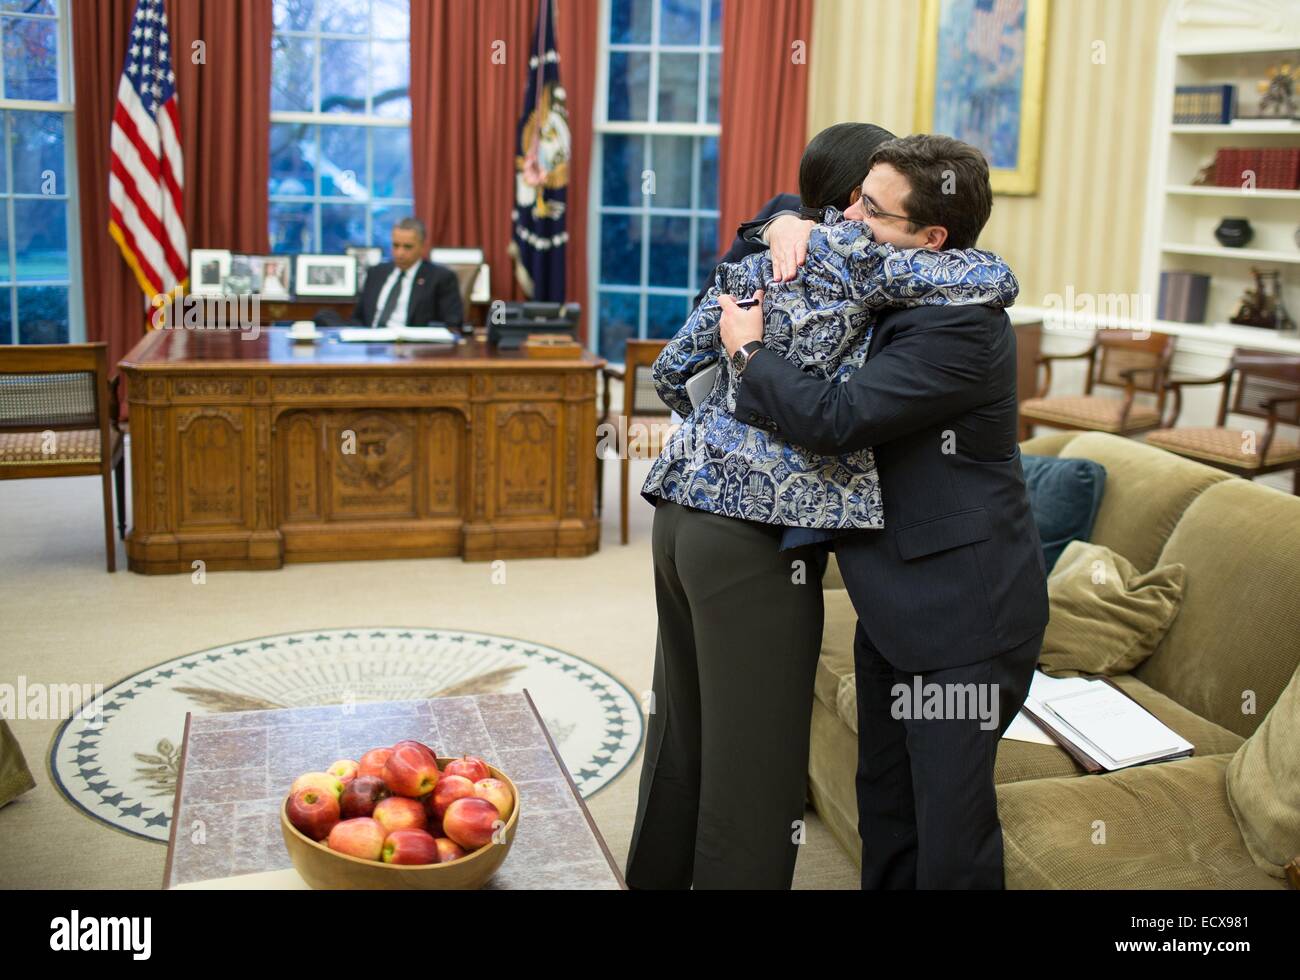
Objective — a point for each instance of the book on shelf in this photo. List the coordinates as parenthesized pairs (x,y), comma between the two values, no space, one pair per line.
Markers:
(1198,104)
(1183,296)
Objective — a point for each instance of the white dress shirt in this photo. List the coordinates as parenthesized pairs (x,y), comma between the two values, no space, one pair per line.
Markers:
(398,319)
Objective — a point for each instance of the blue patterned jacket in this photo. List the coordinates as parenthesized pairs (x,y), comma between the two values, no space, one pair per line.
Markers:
(821,321)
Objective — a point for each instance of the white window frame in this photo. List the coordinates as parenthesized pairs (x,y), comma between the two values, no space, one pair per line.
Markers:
(64,106)
(602,125)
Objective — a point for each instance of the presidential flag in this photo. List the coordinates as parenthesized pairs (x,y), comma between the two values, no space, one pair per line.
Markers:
(542,171)
(146,172)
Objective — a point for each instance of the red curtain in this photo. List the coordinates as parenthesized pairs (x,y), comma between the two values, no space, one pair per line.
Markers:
(764,106)
(468,74)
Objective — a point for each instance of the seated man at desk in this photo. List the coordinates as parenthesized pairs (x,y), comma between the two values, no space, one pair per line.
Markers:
(409,291)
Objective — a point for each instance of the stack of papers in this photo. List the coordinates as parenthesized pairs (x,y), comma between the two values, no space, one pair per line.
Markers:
(390,335)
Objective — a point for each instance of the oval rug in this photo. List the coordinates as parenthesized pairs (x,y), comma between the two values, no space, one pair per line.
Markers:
(121,768)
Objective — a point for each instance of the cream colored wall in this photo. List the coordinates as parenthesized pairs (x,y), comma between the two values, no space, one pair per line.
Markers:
(1083,228)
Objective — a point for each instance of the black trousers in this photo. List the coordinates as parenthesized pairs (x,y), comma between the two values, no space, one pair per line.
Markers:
(927,810)
(725,772)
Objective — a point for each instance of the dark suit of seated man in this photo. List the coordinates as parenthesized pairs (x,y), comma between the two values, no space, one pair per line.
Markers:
(409,291)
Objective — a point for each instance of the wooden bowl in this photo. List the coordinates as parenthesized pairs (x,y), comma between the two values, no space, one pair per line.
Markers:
(322,868)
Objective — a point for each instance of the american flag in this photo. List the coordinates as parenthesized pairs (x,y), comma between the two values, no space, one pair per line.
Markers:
(147,171)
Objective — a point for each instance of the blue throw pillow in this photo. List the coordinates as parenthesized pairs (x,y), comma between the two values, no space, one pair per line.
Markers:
(1064,495)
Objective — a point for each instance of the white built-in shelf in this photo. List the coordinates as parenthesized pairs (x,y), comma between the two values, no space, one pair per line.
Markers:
(1271,129)
(1262,194)
(1228,335)
(1219,252)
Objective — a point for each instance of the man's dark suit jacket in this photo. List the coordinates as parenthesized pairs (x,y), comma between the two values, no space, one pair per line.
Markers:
(435,296)
(741,246)
(957,575)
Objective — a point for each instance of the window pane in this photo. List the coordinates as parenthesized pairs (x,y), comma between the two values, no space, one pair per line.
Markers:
(708,173)
(390,76)
(41,239)
(679,87)
(42,314)
(391,157)
(293,150)
(679,21)
(619,314)
(31,6)
(706,251)
(383,217)
(6,318)
(31,56)
(715,23)
(714,85)
(391,18)
(670,251)
(629,22)
(622,163)
(345,17)
(672,168)
(342,225)
(629,85)
(291,228)
(292,71)
(293,15)
(620,249)
(343,76)
(5,271)
(343,163)
(665,315)
(37,140)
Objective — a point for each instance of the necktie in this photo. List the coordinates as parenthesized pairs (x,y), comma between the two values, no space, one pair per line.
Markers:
(390,304)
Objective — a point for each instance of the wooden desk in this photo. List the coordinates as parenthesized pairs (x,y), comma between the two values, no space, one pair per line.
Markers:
(248,453)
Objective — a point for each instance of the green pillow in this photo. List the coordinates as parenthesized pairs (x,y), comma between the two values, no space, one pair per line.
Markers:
(15,778)
(1105,616)
(1264,785)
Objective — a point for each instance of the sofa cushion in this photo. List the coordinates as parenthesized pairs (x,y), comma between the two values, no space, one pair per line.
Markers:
(1048,444)
(836,661)
(1236,641)
(1064,495)
(1018,761)
(1264,785)
(15,777)
(1105,616)
(1166,825)
(1147,491)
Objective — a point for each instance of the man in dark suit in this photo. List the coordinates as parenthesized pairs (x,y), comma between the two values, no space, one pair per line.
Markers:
(952,592)
(409,291)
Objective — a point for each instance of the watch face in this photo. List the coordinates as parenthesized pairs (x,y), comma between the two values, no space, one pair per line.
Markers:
(738,360)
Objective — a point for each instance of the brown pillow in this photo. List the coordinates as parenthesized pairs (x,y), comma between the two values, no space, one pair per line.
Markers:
(1264,785)
(1106,617)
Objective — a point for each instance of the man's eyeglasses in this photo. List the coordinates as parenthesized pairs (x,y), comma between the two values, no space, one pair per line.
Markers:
(874,212)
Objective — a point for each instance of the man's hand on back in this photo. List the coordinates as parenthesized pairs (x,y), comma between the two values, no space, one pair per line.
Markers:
(787,241)
(738,327)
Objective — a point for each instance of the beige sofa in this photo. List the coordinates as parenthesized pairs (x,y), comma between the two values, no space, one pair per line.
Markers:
(1167,825)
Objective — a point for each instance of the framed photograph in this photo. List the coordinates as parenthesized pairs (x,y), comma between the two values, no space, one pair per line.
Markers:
(277,276)
(244,277)
(367,256)
(980,79)
(325,275)
(209,268)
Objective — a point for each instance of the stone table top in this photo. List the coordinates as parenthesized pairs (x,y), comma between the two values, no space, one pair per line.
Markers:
(237,767)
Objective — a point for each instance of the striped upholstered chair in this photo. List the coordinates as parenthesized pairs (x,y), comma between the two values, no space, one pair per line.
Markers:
(1256,385)
(1116,359)
(58,417)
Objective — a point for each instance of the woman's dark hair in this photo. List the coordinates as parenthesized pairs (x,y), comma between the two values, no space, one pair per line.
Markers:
(836,161)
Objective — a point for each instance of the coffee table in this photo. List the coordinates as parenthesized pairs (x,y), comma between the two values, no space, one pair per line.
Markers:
(236,769)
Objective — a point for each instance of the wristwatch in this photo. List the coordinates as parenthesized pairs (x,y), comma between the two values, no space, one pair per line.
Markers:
(740,359)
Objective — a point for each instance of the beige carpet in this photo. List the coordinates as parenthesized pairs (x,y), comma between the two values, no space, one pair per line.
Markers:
(63,619)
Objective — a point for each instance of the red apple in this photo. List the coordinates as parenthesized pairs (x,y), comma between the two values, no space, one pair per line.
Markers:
(313,811)
(471,767)
(410,846)
(419,745)
(372,763)
(435,821)
(409,772)
(401,813)
(498,794)
(362,837)
(449,789)
(361,795)
(470,822)
(345,770)
(322,781)
(448,850)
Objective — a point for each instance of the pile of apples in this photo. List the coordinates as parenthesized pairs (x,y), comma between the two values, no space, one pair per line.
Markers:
(395,806)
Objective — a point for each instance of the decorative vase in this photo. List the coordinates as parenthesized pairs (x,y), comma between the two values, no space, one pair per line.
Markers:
(1234,232)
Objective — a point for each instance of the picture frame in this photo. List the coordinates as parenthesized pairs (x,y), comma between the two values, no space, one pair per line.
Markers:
(209,268)
(244,277)
(276,281)
(367,256)
(963,89)
(325,275)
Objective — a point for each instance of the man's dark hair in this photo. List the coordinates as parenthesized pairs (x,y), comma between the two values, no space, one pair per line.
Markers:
(950,184)
(835,162)
(413,224)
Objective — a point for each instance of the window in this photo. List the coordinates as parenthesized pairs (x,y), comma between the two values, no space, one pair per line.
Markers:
(38,227)
(655,199)
(340,123)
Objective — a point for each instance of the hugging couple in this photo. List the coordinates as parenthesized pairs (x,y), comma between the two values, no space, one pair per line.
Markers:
(866,405)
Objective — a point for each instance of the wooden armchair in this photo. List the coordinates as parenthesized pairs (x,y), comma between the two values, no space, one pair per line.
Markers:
(645,430)
(1258,385)
(59,417)
(1116,359)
